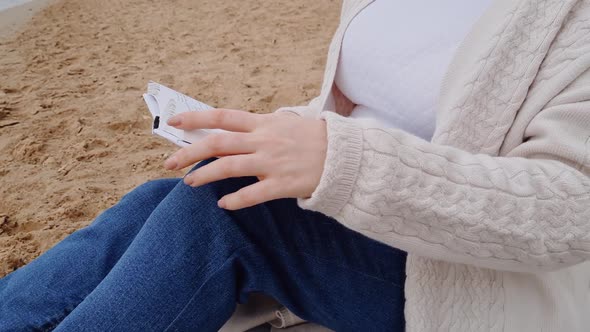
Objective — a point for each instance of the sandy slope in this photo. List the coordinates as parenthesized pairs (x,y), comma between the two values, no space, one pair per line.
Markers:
(74,132)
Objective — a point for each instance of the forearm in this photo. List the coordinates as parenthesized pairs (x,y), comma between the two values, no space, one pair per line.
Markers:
(436,201)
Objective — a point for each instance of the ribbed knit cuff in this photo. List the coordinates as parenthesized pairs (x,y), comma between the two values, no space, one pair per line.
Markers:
(343,158)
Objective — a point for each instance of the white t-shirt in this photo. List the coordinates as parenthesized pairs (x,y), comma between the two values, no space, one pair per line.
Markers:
(394,56)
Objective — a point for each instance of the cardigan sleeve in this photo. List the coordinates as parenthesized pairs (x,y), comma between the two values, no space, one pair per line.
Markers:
(519,213)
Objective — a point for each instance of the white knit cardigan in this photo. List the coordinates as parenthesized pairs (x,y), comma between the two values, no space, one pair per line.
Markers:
(495,211)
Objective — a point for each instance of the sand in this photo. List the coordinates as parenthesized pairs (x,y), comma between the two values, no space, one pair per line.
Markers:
(13,18)
(74,131)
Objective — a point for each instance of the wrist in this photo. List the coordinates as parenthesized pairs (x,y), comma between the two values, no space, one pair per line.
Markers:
(341,166)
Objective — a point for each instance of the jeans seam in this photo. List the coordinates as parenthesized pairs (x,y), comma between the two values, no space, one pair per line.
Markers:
(339,265)
(56,319)
(52,322)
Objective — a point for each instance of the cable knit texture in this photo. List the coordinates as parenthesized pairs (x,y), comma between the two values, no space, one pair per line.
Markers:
(495,211)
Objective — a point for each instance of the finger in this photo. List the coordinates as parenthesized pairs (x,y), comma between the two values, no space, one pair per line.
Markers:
(257,193)
(214,145)
(224,168)
(231,120)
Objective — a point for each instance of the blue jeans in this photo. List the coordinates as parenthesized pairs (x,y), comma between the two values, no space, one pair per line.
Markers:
(167,258)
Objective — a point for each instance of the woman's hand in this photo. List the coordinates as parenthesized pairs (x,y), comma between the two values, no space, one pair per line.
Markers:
(284,151)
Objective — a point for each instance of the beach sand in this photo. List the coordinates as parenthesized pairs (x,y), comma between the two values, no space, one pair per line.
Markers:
(74,130)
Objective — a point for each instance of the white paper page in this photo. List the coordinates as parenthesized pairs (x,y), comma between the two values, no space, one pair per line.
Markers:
(163,104)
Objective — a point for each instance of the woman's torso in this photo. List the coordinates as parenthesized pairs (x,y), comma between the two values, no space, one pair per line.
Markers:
(394,55)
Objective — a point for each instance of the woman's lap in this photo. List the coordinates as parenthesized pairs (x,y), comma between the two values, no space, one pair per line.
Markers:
(191,261)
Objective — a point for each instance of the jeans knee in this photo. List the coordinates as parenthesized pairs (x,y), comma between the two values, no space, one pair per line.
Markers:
(151,191)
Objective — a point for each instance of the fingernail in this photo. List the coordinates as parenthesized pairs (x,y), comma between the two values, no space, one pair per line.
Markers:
(187,180)
(221,203)
(173,121)
(170,163)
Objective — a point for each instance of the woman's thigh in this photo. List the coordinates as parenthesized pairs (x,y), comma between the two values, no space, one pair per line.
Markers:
(192,261)
(318,268)
(321,270)
(40,294)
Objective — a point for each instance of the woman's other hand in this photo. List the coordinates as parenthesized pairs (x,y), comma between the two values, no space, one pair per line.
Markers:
(284,151)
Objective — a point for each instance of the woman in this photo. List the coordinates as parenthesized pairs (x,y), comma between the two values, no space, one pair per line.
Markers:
(493,207)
